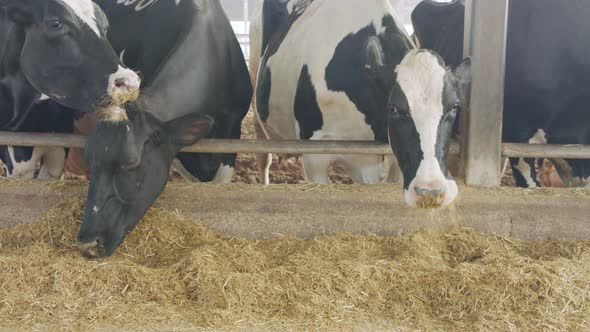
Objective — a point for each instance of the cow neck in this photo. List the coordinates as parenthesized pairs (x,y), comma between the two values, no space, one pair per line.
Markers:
(166,96)
(17,95)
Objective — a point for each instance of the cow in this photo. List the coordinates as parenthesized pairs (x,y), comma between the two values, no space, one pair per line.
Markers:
(57,49)
(54,57)
(46,116)
(547,81)
(346,70)
(196,84)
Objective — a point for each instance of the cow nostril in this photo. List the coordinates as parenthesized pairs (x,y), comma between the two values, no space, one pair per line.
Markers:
(121,83)
(430,192)
(89,249)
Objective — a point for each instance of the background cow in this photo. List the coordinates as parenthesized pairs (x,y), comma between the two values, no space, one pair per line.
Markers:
(57,48)
(346,70)
(547,89)
(196,85)
(46,116)
(54,49)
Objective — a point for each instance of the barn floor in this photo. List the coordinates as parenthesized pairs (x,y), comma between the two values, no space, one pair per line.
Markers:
(307,210)
(425,270)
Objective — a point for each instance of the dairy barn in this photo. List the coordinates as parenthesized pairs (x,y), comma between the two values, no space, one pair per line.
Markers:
(294,165)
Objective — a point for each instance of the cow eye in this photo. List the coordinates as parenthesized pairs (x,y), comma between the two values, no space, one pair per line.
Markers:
(55,24)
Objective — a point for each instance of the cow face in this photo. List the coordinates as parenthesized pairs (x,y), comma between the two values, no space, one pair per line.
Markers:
(65,53)
(130,162)
(424,100)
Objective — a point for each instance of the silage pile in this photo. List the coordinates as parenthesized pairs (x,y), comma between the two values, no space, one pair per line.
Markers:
(173,273)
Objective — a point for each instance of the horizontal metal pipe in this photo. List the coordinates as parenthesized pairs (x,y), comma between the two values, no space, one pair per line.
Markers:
(546,151)
(296,147)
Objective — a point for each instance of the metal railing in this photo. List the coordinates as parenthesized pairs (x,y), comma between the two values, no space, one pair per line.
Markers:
(297,147)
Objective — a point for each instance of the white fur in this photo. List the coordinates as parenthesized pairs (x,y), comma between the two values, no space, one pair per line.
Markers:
(312,41)
(421,78)
(224,175)
(540,137)
(132,81)
(141,4)
(84,9)
(525,169)
(52,164)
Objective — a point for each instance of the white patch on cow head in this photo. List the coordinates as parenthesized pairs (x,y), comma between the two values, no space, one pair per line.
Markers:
(123,86)
(420,76)
(84,9)
(540,137)
(224,174)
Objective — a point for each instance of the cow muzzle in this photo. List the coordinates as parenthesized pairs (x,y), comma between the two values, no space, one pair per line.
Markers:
(431,194)
(430,197)
(123,87)
(89,249)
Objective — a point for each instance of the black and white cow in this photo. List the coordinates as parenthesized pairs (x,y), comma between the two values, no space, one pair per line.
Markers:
(47,116)
(196,85)
(57,48)
(547,87)
(54,49)
(346,70)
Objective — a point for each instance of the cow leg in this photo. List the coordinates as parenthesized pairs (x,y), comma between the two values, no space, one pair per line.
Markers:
(395,173)
(524,172)
(53,164)
(524,169)
(366,169)
(23,161)
(316,168)
(263,160)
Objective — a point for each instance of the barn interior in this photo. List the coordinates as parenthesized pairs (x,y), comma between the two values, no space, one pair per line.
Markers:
(295,255)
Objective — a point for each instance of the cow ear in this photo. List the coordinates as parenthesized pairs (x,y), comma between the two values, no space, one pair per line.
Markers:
(463,71)
(463,74)
(20,11)
(188,129)
(382,75)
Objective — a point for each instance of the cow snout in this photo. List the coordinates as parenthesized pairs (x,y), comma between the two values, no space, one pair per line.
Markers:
(89,249)
(430,192)
(431,195)
(123,86)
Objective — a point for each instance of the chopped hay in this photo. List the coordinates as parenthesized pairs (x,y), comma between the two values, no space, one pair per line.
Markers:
(172,273)
(112,114)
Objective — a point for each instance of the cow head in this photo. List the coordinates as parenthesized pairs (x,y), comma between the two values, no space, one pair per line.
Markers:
(424,99)
(65,53)
(129,162)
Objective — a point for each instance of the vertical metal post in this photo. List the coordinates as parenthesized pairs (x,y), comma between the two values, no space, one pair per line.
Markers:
(246,29)
(486,25)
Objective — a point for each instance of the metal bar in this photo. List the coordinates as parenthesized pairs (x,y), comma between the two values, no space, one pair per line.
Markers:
(514,150)
(213,145)
(486,44)
(297,147)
